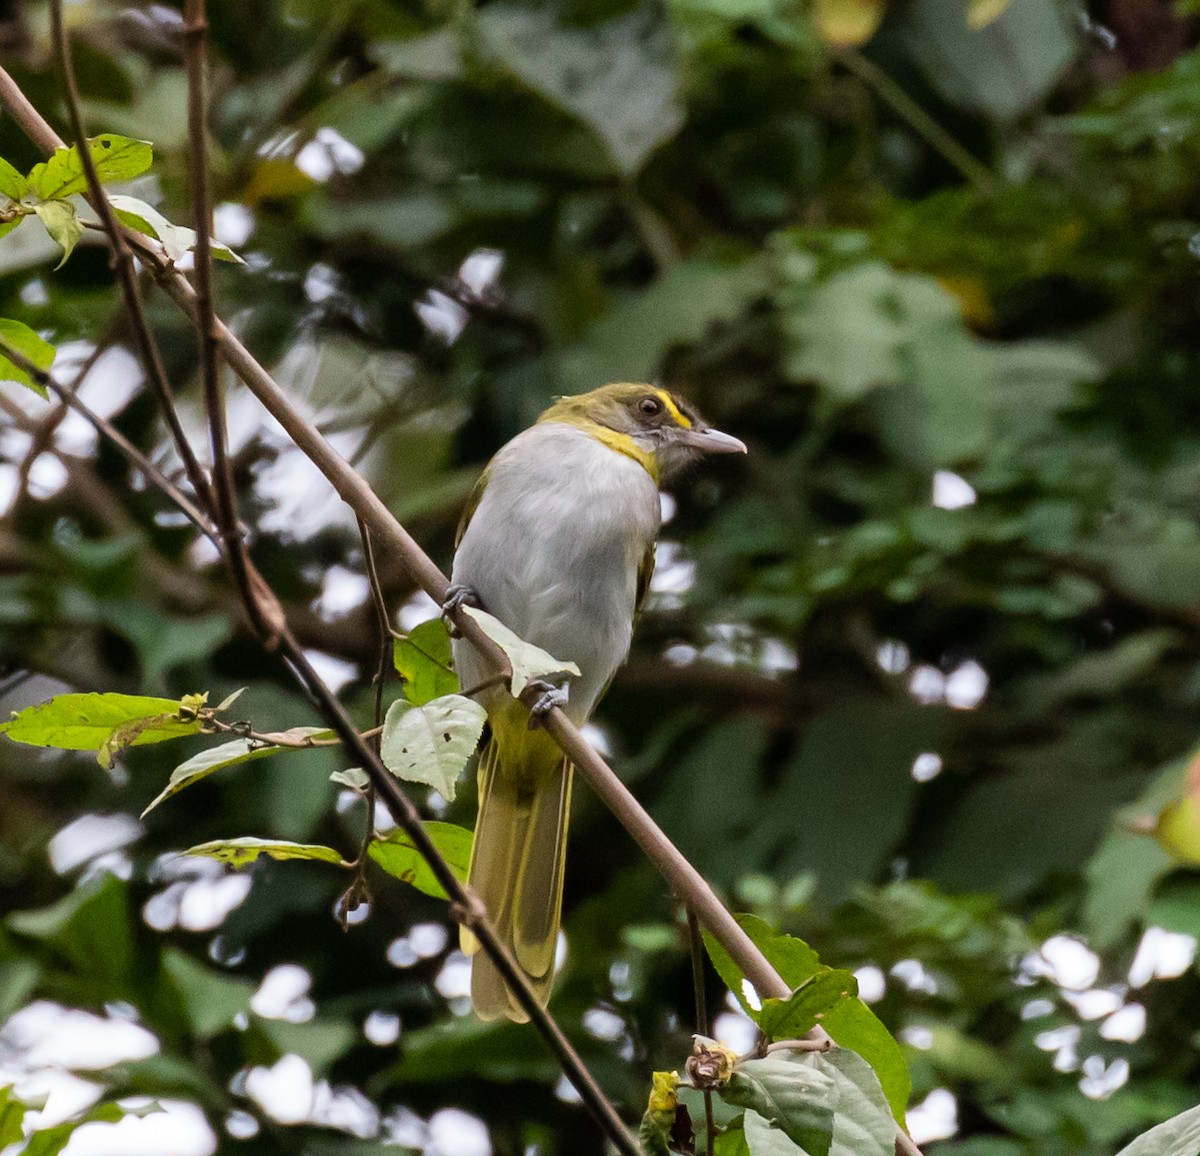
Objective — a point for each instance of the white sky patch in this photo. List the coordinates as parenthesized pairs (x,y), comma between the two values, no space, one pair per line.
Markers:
(927,684)
(428,939)
(327,153)
(241,1125)
(90,836)
(453,1132)
(61,1094)
(1062,1041)
(400,953)
(1128,1024)
(892,656)
(917,1036)
(381,1028)
(1161,955)
(1100,1080)
(750,995)
(112,381)
(345,1108)
(1068,961)
(667,506)
(565,1091)
(341,591)
(47,476)
(1095,1003)
(597,738)
(872,983)
(204,905)
(479,274)
(674,573)
(180,1129)
(405,1129)
(735,1030)
(912,973)
(301,500)
(966,686)
(454,980)
(950,492)
(285,1091)
(1036,1008)
(603,1024)
(232,224)
(442,316)
(320,283)
(926,766)
(934,1118)
(34,293)
(9,479)
(283,995)
(199,896)
(680,654)
(334,672)
(419,608)
(46,1034)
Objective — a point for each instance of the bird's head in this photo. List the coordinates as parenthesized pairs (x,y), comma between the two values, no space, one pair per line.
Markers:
(645,422)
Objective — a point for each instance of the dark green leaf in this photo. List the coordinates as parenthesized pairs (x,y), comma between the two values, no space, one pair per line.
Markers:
(791,1095)
(397,855)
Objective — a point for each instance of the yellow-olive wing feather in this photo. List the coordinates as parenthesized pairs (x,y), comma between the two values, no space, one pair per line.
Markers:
(473,500)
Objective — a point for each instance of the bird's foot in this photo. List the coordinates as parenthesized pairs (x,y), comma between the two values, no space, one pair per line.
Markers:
(457,596)
(550,697)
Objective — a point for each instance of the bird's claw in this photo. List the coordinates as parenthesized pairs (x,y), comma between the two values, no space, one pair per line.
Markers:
(550,697)
(457,596)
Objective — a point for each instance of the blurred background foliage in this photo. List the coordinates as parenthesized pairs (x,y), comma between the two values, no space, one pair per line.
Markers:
(918,679)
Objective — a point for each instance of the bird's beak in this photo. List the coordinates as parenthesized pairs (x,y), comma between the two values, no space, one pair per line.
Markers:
(711,441)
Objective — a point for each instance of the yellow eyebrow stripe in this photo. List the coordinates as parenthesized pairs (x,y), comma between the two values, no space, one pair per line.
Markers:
(673,409)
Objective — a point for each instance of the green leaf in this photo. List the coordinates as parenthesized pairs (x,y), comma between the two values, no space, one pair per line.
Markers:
(62,223)
(853,1025)
(618,77)
(732,1142)
(791,957)
(790,1094)
(761,1138)
(14,186)
(23,341)
(104,723)
(528,662)
(246,849)
(201,765)
(431,744)
(397,855)
(117,158)
(12,1112)
(176,240)
(1175,1137)
(210,999)
(790,1018)
(862,1121)
(424,661)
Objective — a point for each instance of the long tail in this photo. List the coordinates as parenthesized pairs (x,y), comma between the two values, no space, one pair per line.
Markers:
(517,863)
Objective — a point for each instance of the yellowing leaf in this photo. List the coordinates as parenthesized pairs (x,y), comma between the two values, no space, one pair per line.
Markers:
(12,184)
(246,849)
(981,13)
(847,23)
(86,722)
(62,223)
(117,158)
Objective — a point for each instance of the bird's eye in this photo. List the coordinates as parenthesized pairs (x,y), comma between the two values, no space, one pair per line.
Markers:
(650,406)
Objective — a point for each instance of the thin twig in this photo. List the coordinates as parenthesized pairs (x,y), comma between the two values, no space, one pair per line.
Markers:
(917,119)
(385,655)
(703,1026)
(122,260)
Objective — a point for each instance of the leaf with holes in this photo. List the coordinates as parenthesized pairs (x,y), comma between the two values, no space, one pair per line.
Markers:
(528,662)
(20,341)
(117,158)
(431,744)
(397,856)
(243,851)
(790,1018)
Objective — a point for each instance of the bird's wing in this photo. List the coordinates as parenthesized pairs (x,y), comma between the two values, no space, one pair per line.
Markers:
(644,574)
(473,500)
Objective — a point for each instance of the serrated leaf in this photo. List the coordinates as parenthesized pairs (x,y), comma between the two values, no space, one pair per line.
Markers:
(397,856)
(862,1120)
(431,744)
(790,1018)
(423,660)
(24,342)
(116,158)
(528,662)
(208,762)
(176,240)
(62,223)
(791,1095)
(850,1022)
(243,851)
(86,722)
(1174,1137)
(12,184)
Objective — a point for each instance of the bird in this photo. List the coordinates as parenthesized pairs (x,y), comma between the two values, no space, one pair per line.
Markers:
(557,542)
